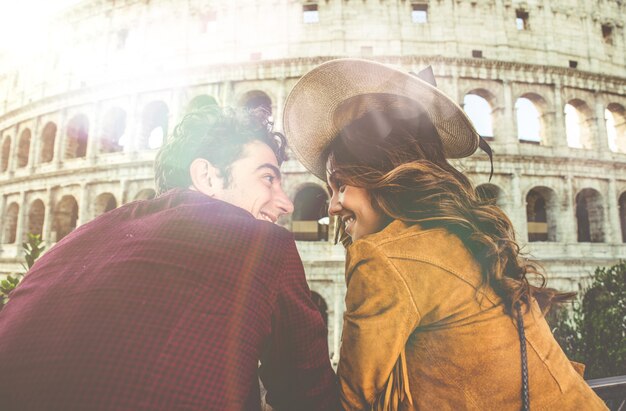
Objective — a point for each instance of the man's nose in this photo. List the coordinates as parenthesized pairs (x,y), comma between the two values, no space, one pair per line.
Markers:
(334,206)
(283,203)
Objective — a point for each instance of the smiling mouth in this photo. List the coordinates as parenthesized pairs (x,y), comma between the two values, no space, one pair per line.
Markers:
(268,217)
(347,222)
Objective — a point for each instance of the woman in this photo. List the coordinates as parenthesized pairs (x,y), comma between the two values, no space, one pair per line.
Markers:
(441,312)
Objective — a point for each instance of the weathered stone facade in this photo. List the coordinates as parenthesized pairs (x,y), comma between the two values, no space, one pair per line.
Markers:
(80,118)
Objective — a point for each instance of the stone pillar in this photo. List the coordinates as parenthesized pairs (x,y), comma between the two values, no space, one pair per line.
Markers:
(83,205)
(133,126)
(611,221)
(35,140)
(226,93)
(558,134)
(46,231)
(93,139)
(509,132)
(59,141)
(3,201)
(21,231)
(568,226)
(15,141)
(277,114)
(122,194)
(601,138)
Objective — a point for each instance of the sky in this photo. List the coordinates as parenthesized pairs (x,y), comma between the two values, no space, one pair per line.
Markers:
(20,19)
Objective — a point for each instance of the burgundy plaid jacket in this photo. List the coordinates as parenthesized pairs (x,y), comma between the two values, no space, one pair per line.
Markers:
(167,304)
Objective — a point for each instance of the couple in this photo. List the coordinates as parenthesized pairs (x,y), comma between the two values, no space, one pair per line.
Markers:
(171,303)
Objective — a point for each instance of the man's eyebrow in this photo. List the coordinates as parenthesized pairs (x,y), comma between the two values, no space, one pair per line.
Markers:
(272,167)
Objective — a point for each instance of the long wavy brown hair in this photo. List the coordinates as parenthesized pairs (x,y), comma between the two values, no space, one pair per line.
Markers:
(401,162)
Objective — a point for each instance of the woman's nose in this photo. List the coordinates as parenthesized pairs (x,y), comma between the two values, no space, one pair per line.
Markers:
(334,206)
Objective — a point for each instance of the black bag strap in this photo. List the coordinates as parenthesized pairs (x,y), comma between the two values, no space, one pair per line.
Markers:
(522,342)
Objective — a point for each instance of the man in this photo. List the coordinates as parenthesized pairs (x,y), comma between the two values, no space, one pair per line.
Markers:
(170,304)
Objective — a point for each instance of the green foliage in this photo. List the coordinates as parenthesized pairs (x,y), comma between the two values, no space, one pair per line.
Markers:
(33,249)
(594,333)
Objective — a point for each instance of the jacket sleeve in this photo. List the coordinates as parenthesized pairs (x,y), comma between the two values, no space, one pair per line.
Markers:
(380,315)
(296,369)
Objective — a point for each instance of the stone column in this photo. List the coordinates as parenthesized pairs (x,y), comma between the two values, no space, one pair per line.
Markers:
(509,132)
(569,229)
(21,231)
(93,138)
(558,134)
(59,141)
(612,222)
(601,139)
(83,205)
(133,126)
(277,114)
(15,141)
(35,140)
(3,201)
(122,191)
(46,231)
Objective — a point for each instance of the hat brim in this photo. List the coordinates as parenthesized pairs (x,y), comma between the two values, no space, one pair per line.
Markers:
(310,116)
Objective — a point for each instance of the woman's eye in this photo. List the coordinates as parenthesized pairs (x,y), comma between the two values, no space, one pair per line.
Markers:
(342,188)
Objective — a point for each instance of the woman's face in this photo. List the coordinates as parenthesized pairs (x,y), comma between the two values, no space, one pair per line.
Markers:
(353,205)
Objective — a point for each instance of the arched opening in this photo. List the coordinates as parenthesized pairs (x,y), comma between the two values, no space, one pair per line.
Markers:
(198,102)
(255,99)
(23,148)
(541,214)
(308,219)
(65,217)
(47,142)
(529,123)
(104,202)
(10,223)
(113,127)
(578,124)
(622,215)
(36,214)
(479,111)
(615,117)
(153,125)
(77,136)
(145,194)
(6,153)
(321,305)
(590,216)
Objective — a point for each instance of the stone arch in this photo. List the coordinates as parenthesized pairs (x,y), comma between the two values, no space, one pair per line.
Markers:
(622,215)
(491,194)
(254,99)
(23,148)
(36,213)
(615,117)
(64,217)
(478,104)
(10,223)
(113,127)
(6,154)
(310,205)
(578,124)
(48,136)
(200,101)
(541,214)
(529,115)
(77,137)
(145,194)
(590,216)
(321,305)
(104,202)
(154,122)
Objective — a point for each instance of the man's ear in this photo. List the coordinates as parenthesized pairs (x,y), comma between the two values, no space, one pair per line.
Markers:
(205,178)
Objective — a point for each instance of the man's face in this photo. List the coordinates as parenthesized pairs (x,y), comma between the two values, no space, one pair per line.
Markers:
(255,184)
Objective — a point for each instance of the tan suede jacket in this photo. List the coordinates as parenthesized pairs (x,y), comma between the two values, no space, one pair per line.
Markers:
(420,333)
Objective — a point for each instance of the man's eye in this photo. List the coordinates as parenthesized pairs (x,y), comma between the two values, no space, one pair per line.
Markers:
(269,178)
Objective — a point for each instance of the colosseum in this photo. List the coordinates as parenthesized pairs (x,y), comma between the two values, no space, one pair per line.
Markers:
(82,114)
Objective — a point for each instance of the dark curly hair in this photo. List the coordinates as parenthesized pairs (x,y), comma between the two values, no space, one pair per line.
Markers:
(217,135)
(401,163)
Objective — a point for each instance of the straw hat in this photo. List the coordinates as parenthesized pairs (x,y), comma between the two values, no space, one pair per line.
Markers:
(333,94)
